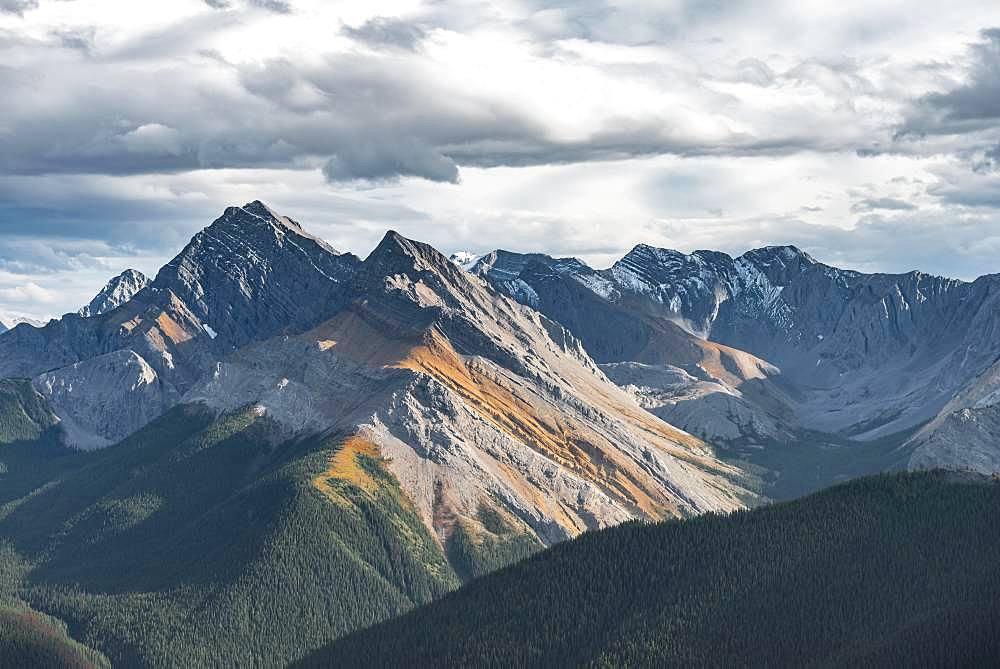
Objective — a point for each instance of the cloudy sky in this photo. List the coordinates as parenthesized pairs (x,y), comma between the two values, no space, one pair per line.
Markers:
(865,131)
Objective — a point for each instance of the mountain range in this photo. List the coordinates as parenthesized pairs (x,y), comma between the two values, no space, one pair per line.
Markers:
(271,429)
(775,348)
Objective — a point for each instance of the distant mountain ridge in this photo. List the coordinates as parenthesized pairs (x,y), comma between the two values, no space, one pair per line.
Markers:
(865,356)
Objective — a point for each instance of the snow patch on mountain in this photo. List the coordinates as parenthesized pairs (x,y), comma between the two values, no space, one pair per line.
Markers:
(464,259)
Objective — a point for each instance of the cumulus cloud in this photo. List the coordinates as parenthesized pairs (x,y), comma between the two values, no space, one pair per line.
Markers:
(433,108)
(572,127)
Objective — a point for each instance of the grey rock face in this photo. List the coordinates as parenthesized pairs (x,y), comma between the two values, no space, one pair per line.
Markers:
(965,434)
(103,400)
(115,293)
(253,274)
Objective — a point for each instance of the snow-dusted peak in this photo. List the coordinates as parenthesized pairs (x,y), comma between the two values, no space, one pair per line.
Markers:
(115,293)
(785,256)
(464,259)
(24,320)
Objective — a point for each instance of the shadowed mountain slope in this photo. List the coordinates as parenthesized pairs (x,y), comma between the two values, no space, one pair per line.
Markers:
(890,570)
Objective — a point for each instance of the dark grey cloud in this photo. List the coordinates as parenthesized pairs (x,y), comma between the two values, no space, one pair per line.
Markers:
(883,203)
(381,162)
(968,107)
(382,31)
(80,38)
(277,6)
(976,191)
(381,117)
(990,160)
(17,7)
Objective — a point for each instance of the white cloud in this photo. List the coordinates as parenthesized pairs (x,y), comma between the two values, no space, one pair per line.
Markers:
(30,293)
(575,128)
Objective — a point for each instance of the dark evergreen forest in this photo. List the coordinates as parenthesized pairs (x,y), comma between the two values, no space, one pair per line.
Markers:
(892,570)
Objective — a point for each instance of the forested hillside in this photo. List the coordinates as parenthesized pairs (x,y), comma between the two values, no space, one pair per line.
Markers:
(31,640)
(204,541)
(893,570)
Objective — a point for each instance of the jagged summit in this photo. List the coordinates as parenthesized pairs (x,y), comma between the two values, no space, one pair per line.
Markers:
(258,208)
(395,245)
(256,218)
(785,251)
(398,260)
(248,276)
(115,293)
(254,259)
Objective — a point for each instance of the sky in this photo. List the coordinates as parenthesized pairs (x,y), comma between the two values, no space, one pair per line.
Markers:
(867,132)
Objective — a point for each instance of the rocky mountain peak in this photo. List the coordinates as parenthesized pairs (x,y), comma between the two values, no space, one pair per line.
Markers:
(780,264)
(259,209)
(398,255)
(254,272)
(115,293)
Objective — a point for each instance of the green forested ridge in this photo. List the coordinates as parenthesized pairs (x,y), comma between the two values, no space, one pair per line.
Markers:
(206,542)
(892,570)
(33,640)
(478,547)
(30,454)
